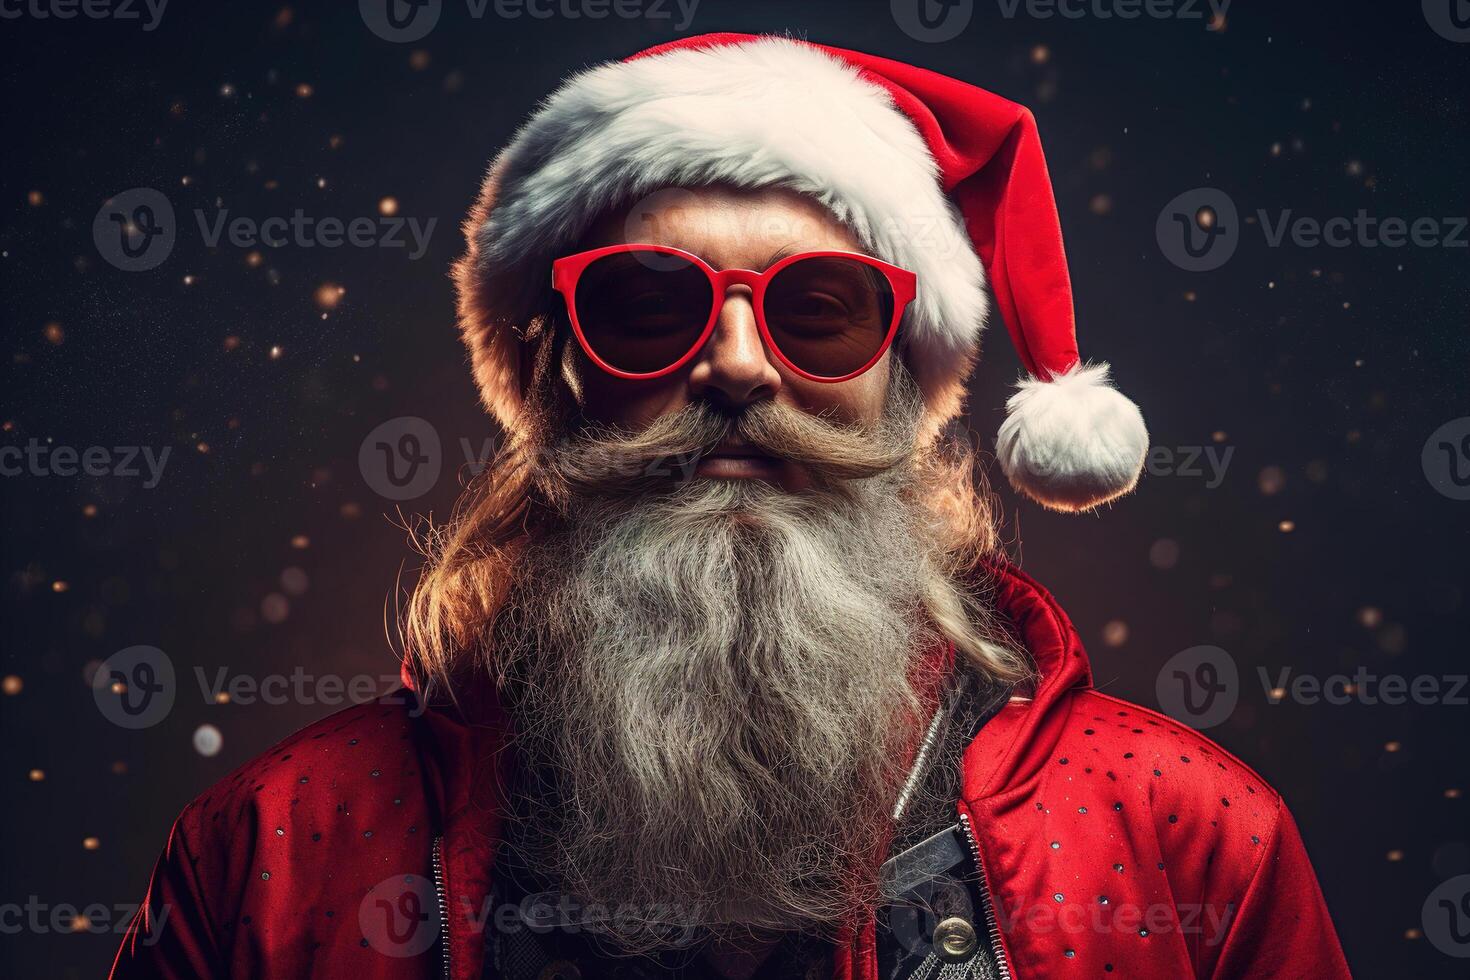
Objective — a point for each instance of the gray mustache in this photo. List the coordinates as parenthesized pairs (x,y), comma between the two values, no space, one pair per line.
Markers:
(603,459)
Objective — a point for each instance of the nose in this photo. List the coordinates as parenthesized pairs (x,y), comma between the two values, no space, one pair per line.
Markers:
(733,368)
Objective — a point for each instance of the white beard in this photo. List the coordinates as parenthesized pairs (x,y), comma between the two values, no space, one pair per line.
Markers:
(714,688)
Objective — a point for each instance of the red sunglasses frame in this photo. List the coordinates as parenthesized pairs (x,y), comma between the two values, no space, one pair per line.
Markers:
(566,271)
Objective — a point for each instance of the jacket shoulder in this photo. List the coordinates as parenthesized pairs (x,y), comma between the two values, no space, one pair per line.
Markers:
(291,842)
(347,759)
(1214,819)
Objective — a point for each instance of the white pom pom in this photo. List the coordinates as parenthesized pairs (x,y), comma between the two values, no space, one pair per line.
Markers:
(1074,442)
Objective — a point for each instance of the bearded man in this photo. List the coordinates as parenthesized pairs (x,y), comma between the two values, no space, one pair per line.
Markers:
(718,671)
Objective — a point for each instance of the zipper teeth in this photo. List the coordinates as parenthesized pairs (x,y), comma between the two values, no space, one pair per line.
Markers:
(443,901)
(992,925)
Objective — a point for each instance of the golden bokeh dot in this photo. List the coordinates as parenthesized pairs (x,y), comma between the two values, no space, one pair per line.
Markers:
(1392,746)
(1270,480)
(89,510)
(38,775)
(222,697)
(1115,633)
(1040,54)
(60,585)
(91,843)
(1370,616)
(1395,855)
(35,199)
(12,684)
(1286,527)
(388,206)
(1413,934)
(53,333)
(329,294)
(304,90)
(1453,793)
(301,542)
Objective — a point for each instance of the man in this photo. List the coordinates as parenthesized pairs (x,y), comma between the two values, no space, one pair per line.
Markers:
(719,672)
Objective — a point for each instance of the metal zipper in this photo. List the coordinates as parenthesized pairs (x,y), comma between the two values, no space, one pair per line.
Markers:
(442,895)
(992,925)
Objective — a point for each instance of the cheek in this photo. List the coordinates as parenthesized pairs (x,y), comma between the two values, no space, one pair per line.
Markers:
(859,400)
(633,404)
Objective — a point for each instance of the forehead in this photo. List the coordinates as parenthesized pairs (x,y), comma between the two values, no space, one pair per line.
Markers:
(727,227)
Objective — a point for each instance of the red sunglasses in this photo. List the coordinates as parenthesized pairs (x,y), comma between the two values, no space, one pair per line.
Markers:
(644,311)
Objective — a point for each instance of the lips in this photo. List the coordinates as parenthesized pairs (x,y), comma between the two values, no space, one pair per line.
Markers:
(737,449)
(734,459)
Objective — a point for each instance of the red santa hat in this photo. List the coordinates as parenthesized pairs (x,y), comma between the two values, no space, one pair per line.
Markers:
(928,172)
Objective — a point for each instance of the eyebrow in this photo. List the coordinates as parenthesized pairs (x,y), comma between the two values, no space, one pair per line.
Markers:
(780,254)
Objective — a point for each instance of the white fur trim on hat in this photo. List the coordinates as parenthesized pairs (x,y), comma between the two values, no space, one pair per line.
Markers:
(772,112)
(1074,442)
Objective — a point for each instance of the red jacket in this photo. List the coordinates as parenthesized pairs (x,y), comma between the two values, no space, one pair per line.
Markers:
(1112,840)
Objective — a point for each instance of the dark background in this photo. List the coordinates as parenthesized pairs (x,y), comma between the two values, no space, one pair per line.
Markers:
(1324,369)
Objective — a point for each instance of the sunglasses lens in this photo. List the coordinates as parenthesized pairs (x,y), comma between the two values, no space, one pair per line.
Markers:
(642,311)
(829,315)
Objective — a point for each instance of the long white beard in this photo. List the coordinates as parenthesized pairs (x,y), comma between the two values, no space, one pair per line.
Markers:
(714,688)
